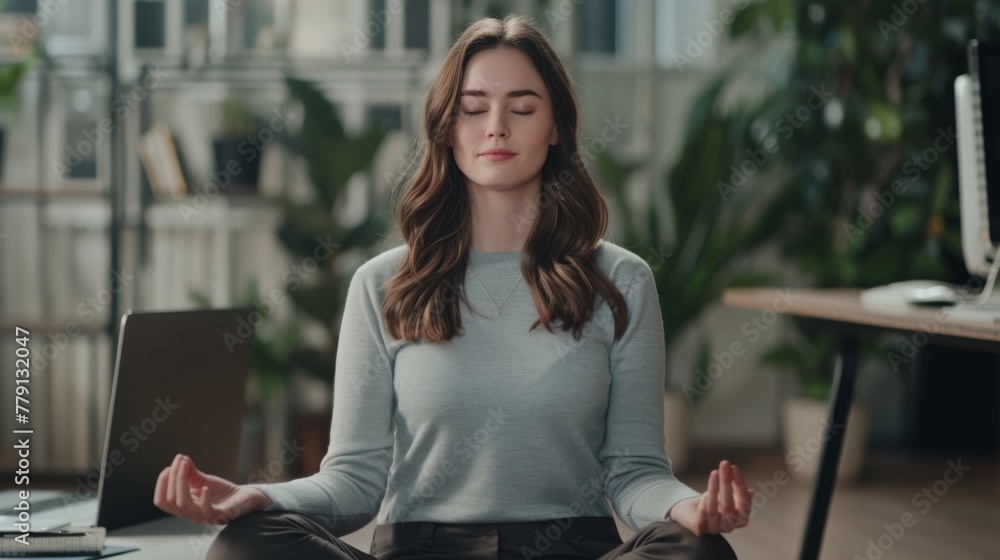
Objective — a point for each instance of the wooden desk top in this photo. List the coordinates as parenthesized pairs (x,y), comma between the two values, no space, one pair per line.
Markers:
(844,306)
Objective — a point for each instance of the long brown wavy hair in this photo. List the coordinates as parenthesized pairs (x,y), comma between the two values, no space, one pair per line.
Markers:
(433,210)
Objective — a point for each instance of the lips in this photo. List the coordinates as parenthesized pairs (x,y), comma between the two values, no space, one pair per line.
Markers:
(497,154)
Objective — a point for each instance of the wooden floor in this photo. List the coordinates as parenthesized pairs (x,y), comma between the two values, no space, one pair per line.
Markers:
(963,524)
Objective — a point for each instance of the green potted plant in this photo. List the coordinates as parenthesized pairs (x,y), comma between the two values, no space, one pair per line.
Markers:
(237,154)
(11,74)
(856,93)
(10,77)
(711,237)
(272,344)
(309,228)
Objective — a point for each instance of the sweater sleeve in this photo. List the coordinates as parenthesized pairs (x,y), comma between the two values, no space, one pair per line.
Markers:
(639,482)
(347,491)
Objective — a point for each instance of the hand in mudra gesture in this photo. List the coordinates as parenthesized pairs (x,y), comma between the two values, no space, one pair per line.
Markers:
(186,492)
(724,506)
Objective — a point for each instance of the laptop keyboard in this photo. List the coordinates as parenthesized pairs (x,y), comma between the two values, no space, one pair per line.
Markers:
(49,504)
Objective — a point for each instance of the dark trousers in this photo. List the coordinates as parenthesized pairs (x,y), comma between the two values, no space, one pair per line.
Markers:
(276,534)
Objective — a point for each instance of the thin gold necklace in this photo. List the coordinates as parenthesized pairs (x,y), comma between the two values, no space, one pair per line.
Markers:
(491,297)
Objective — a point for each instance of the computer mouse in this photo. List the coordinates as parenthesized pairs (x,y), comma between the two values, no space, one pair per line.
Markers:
(929,293)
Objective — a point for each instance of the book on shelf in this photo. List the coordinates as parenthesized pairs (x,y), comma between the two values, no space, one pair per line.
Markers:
(161,162)
(73,539)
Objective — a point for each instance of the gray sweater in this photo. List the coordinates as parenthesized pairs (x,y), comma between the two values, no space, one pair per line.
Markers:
(502,426)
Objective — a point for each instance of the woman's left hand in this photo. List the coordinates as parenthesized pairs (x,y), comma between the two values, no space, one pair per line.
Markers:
(725,506)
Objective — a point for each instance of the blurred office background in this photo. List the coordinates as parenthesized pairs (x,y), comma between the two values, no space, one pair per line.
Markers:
(119,118)
(89,233)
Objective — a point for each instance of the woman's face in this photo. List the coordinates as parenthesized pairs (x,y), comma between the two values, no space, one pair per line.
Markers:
(503,105)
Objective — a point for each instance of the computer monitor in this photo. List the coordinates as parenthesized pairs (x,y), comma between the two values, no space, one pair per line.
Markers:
(977,108)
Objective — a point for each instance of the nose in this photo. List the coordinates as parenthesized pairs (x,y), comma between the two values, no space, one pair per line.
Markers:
(497,127)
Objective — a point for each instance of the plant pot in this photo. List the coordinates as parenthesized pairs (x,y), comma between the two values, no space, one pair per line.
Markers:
(263,439)
(311,395)
(237,165)
(314,412)
(676,430)
(805,431)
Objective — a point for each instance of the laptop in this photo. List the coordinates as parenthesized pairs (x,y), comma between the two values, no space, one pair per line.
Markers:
(179,384)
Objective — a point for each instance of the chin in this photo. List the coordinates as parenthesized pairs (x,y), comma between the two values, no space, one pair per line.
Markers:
(499,181)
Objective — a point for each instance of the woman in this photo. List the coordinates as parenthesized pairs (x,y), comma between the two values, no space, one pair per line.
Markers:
(503,439)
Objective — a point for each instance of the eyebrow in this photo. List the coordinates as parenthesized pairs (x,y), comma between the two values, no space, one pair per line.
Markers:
(516,93)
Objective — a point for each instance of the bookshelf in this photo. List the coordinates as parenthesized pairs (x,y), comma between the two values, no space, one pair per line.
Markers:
(86,239)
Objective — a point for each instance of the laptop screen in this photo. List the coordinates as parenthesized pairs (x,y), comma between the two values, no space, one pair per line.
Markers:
(179,386)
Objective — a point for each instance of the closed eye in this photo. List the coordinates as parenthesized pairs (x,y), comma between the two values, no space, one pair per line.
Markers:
(472,113)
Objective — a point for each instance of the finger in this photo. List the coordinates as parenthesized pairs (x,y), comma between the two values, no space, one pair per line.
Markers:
(728,516)
(180,484)
(726,503)
(160,492)
(711,501)
(184,501)
(172,480)
(195,478)
(711,504)
(744,501)
(208,511)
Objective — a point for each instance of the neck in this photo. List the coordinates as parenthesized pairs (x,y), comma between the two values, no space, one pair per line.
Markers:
(502,219)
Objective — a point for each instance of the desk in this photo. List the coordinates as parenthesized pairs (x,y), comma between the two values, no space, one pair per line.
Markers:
(841,311)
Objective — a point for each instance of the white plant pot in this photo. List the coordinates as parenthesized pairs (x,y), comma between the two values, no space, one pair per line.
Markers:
(806,430)
(311,395)
(676,430)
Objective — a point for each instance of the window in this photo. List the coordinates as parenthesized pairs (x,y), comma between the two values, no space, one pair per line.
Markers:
(596,27)
(687,33)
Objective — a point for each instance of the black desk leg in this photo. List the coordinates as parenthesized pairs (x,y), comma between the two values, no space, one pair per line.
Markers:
(840,403)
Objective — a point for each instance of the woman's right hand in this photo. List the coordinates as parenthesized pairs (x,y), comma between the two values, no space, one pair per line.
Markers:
(184,491)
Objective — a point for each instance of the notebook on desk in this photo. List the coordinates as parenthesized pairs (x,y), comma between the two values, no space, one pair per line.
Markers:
(179,384)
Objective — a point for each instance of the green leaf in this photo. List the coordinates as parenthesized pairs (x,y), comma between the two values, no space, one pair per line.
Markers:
(320,118)
(318,364)
(321,299)
(745,20)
